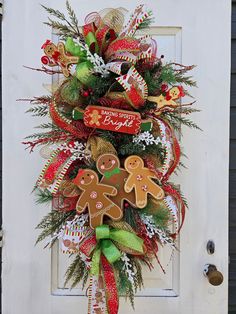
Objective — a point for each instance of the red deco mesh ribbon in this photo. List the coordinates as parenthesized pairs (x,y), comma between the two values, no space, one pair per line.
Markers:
(168,188)
(54,168)
(112,299)
(55,165)
(63,122)
(176,151)
(107,273)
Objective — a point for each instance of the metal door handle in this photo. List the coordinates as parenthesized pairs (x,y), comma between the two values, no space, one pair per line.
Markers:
(214,276)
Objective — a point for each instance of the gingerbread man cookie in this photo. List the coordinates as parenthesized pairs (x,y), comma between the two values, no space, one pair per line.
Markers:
(95,117)
(168,101)
(109,166)
(140,180)
(56,55)
(94,197)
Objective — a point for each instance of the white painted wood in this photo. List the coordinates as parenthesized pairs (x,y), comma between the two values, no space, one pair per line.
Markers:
(201,36)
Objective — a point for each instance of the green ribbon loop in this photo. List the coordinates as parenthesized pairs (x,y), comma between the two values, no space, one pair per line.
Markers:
(91,41)
(102,232)
(110,251)
(75,49)
(107,247)
(109,174)
(127,239)
(83,72)
(96,261)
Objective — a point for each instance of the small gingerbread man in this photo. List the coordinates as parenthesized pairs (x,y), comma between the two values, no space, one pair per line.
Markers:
(95,117)
(71,245)
(140,180)
(94,197)
(109,166)
(56,55)
(168,101)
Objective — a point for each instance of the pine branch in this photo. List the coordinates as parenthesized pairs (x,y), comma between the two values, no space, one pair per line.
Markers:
(55,13)
(52,222)
(61,29)
(185,110)
(43,135)
(64,27)
(48,125)
(146,23)
(131,216)
(76,271)
(177,120)
(159,214)
(167,75)
(43,196)
(38,111)
(124,285)
(177,188)
(187,80)
(73,18)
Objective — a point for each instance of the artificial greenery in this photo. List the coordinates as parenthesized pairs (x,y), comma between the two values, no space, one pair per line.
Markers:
(63,26)
(76,272)
(159,78)
(177,120)
(43,196)
(53,222)
(125,287)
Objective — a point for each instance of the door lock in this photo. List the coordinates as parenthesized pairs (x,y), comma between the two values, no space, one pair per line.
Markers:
(210,247)
(214,276)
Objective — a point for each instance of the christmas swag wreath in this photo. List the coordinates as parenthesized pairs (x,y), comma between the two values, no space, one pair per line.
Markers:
(111,147)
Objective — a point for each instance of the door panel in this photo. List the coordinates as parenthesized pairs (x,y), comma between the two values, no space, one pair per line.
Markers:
(191,32)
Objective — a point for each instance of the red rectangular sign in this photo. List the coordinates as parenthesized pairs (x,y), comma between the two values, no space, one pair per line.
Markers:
(112,119)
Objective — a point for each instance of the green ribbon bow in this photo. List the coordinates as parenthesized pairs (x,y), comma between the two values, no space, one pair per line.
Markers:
(109,174)
(106,246)
(75,49)
(84,67)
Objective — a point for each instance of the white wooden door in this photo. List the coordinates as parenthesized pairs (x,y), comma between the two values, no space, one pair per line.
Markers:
(190,32)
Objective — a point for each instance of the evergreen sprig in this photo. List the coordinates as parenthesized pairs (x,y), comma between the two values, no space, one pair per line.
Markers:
(48,125)
(43,196)
(64,27)
(42,135)
(52,222)
(176,120)
(38,111)
(125,287)
(76,272)
(146,23)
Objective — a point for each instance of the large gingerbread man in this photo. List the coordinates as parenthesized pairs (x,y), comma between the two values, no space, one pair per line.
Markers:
(94,197)
(140,179)
(56,55)
(109,166)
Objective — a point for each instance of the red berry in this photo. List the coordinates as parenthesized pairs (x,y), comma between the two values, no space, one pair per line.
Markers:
(85,93)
